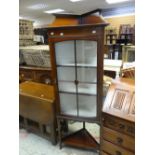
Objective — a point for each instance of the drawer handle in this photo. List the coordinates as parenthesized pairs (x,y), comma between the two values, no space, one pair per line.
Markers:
(42,95)
(121,126)
(118,153)
(22,75)
(119,140)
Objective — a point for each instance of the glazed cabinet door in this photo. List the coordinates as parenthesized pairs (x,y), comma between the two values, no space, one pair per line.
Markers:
(86,65)
(65,63)
(76,62)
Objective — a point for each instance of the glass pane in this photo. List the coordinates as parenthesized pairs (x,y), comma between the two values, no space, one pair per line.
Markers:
(87,88)
(65,53)
(68,104)
(66,73)
(86,74)
(86,53)
(67,87)
(87,106)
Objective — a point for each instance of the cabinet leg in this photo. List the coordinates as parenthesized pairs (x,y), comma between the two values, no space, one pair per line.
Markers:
(53,134)
(26,123)
(59,132)
(84,125)
(41,129)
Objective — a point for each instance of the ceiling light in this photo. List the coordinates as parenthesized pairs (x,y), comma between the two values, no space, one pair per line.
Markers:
(54,11)
(38,6)
(75,0)
(116,1)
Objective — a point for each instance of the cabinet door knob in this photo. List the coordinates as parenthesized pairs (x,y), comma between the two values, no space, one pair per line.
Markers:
(119,140)
(76,82)
(22,75)
(118,153)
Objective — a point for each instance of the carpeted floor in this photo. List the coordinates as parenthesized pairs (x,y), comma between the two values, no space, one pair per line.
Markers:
(31,144)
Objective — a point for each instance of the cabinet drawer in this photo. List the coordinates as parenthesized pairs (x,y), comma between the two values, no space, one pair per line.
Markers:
(119,138)
(26,76)
(43,77)
(119,125)
(114,149)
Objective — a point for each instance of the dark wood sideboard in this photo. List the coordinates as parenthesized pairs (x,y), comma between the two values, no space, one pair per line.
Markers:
(35,74)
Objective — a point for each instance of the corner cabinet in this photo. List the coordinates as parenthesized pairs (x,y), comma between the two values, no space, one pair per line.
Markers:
(77,60)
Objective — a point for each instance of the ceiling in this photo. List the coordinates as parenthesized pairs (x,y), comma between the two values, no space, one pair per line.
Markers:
(34,9)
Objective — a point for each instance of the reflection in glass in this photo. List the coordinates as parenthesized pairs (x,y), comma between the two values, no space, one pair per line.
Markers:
(67,87)
(86,74)
(86,53)
(87,88)
(68,104)
(65,53)
(66,73)
(87,106)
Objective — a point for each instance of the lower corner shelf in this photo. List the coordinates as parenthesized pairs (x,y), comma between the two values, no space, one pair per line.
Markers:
(81,139)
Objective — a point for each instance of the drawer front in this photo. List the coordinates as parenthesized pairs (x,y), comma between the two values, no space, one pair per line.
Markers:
(26,76)
(43,77)
(119,138)
(114,149)
(119,125)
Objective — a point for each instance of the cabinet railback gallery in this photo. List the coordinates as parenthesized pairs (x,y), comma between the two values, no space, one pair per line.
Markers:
(77,69)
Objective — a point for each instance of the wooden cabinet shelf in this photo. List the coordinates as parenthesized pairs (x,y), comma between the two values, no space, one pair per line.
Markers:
(81,139)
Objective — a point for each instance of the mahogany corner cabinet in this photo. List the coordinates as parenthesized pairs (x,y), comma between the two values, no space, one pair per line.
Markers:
(77,71)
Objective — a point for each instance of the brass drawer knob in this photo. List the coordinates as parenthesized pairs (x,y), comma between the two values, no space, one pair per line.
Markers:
(119,140)
(118,153)
(42,95)
(22,75)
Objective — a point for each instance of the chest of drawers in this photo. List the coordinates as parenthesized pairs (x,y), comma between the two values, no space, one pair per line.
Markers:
(118,136)
(118,123)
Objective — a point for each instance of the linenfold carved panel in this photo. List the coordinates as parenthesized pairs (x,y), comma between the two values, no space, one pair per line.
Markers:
(132,106)
(120,99)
